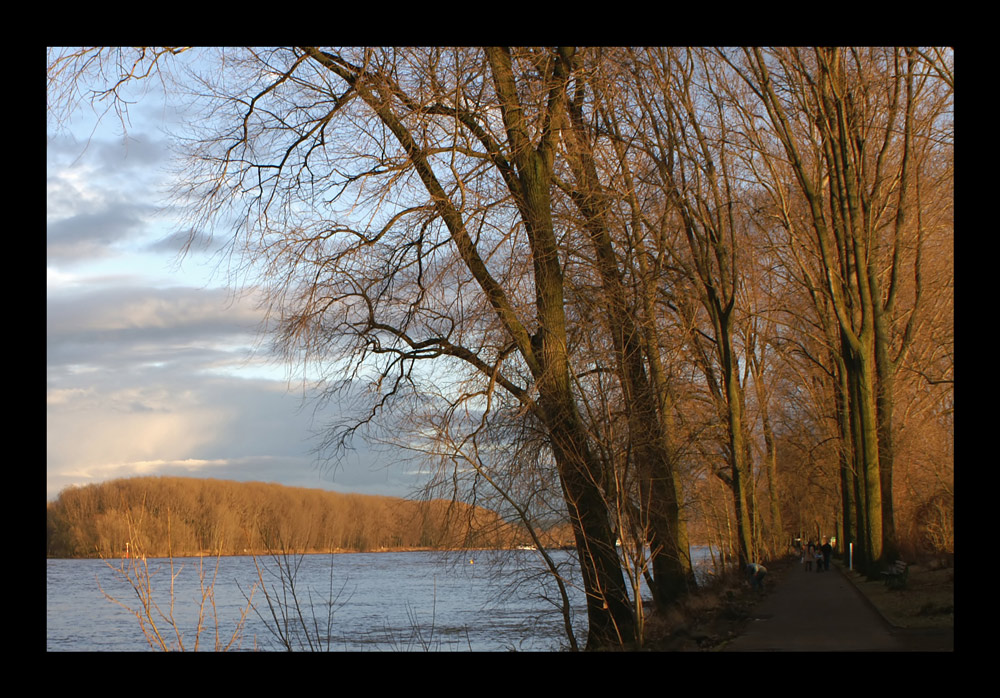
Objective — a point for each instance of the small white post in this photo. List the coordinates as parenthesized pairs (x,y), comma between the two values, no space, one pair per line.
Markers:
(850,556)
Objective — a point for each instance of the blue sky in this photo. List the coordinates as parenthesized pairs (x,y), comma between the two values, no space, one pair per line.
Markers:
(151,360)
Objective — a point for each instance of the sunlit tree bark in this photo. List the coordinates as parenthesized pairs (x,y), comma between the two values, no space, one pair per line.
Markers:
(648,428)
(682,101)
(845,119)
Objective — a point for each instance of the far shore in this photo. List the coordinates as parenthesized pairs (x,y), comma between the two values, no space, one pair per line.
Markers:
(332,551)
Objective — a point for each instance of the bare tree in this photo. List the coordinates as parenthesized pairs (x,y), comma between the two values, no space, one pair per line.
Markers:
(685,135)
(606,200)
(544,250)
(847,120)
(448,157)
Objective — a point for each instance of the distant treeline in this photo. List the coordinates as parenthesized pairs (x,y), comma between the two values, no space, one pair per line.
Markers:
(188,516)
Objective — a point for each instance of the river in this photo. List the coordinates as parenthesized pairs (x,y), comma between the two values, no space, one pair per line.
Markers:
(405,601)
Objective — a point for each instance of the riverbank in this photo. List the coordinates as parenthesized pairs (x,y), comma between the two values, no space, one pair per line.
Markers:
(711,617)
(269,553)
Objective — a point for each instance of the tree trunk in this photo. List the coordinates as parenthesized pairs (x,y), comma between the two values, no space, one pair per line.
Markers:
(867,440)
(610,619)
(672,572)
(848,472)
(611,622)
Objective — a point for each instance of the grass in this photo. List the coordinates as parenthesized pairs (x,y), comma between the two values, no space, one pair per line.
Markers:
(706,620)
(927,602)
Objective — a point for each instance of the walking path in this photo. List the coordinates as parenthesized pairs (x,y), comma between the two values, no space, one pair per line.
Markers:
(814,612)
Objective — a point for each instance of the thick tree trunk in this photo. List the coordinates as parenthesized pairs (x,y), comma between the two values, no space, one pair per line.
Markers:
(868,447)
(864,438)
(776,536)
(546,351)
(885,399)
(611,621)
(742,478)
(673,575)
(848,473)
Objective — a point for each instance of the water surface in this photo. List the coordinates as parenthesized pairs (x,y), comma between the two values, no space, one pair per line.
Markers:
(407,601)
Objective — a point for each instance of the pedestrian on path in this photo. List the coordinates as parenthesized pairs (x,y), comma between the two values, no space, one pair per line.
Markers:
(809,556)
(827,551)
(756,572)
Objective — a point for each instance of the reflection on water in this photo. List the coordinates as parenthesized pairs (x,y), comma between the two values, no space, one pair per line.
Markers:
(413,601)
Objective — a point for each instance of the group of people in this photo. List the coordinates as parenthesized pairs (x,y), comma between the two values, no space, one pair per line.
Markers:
(820,554)
(812,553)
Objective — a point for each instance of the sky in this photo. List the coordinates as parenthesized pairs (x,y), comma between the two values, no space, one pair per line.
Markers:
(153,364)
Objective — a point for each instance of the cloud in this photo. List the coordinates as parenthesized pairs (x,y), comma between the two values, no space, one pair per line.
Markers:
(154,373)
(155,381)
(223,427)
(100,195)
(142,155)
(181,241)
(122,326)
(94,235)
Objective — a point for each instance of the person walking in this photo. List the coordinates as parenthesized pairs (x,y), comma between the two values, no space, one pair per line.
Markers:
(827,550)
(809,556)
